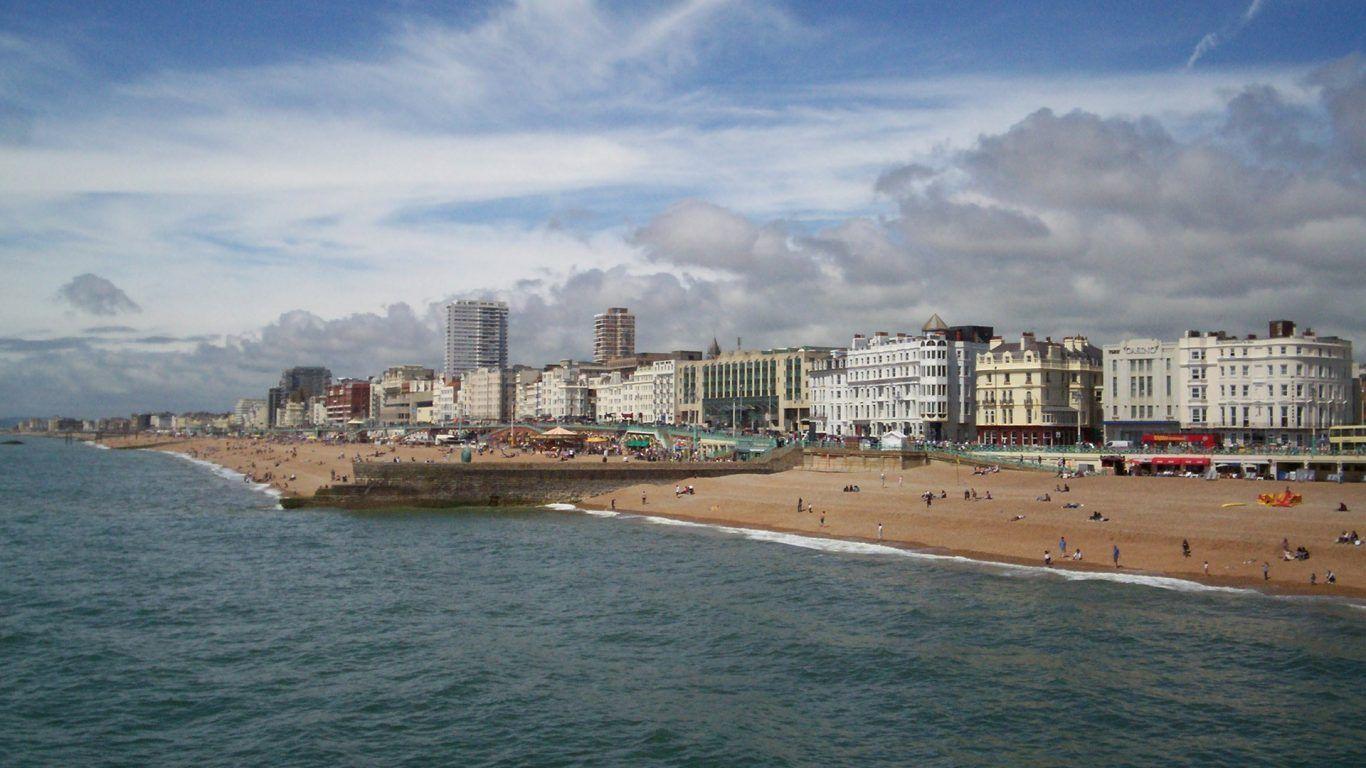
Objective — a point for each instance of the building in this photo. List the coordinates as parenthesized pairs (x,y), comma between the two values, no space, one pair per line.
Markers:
(921,386)
(565,391)
(1039,392)
(307,381)
(614,334)
(348,400)
(1142,389)
(250,413)
(445,399)
(487,395)
(404,390)
(1285,389)
(476,336)
(746,389)
(292,415)
(828,391)
(527,394)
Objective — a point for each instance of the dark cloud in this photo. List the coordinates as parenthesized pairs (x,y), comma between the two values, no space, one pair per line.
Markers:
(109,329)
(10,344)
(95,295)
(897,180)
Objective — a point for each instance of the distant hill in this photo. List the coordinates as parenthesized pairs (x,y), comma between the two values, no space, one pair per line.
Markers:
(10,422)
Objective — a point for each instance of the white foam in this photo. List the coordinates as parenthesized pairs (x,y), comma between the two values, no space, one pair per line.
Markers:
(561,507)
(842,546)
(94,444)
(232,474)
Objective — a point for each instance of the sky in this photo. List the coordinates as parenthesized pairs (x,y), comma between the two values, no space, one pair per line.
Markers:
(196,195)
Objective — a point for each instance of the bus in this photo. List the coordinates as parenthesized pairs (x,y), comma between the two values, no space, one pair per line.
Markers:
(1348,439)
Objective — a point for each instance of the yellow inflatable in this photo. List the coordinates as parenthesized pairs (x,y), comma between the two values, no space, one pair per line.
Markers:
(1286,499)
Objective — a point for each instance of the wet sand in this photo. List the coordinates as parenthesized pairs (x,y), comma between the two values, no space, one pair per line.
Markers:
(1148,516)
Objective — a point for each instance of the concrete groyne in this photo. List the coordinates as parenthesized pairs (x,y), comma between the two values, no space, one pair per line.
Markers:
(380,484)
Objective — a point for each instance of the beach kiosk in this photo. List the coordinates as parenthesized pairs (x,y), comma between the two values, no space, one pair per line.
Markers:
(892,441)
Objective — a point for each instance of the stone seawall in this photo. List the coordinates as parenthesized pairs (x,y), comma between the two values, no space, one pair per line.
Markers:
(381,484)
(847,460)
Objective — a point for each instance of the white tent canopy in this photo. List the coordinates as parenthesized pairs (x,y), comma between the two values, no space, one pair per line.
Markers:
(893,440)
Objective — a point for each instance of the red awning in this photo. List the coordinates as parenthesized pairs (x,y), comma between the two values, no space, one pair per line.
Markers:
(1180,461)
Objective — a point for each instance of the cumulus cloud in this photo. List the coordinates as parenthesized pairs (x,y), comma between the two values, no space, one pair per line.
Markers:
(1064,222)
(95,295)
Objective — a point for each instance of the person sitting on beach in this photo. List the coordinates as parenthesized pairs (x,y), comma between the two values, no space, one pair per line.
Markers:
(1342,506)
(1331,577)
(1066,488)
(943,494)
(974,494)
(1076,554)
(1044,497)
(988,498)
(1047,558)
(1301,553)
(1185,548)
(967,496)
(1017,517)
(1071,505)
(691,491)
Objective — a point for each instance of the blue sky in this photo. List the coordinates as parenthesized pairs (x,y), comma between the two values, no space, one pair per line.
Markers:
(285,182)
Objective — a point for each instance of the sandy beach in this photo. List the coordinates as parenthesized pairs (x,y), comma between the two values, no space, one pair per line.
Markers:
(1147,517)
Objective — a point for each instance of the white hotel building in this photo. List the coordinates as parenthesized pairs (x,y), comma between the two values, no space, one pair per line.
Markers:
(1286,388)
(920,386)
(644,395)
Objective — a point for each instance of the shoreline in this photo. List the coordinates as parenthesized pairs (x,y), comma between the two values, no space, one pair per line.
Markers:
(1095,571)
(977,531)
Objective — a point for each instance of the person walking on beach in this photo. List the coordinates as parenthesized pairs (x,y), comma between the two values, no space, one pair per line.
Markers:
(1062,545)
(1266,571)
(1115,555)
(1206,567)
(799,505)
(642,498)
(822,519)
(1047,558)
(879,530)
(1185,548)
(883,477)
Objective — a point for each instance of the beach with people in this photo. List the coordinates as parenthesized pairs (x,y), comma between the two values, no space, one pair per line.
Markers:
(1214,532)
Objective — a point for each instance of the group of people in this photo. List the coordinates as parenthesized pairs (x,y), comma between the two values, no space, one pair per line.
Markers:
(1300,553)
(970,494)
(680,490)
(851,489)
(1349,538)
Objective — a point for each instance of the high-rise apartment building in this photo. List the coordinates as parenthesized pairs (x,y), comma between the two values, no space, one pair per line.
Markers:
(614,334)
(476,335)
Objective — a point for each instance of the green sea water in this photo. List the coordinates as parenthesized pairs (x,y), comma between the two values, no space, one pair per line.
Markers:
(153,612)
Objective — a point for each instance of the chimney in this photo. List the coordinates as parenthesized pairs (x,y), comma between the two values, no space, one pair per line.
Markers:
(1281,329)
(1026,339)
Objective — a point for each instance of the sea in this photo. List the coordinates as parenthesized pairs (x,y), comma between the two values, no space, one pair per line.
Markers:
(155,611)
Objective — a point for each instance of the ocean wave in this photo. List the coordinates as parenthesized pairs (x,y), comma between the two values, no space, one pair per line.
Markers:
(560,507)
(232,474)
(94,444)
